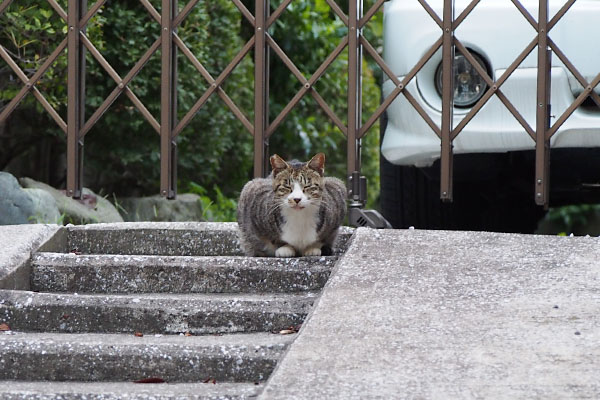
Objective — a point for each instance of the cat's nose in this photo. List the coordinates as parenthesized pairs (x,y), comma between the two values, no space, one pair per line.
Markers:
(297,200)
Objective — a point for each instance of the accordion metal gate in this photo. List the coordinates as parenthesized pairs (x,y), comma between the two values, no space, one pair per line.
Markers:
(169,43)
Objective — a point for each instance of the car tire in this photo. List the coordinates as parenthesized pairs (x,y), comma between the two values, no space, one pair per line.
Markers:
(409,197)
(501,202)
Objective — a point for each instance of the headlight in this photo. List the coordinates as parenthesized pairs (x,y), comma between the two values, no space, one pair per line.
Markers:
(469,86)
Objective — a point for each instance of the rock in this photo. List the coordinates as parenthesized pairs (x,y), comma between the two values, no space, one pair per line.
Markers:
(186,207)
(16,206)
(45,209)
(91,208)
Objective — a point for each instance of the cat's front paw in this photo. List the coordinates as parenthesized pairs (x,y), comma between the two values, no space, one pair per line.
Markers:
(312,251)
(285,251)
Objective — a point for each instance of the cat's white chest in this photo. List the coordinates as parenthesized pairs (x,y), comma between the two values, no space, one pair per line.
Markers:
(300,227)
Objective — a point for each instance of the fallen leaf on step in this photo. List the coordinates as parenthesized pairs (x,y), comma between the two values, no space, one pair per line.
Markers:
(4,327)
(290,330)
(138,334)
(151,380)
(187,334)
(210,380)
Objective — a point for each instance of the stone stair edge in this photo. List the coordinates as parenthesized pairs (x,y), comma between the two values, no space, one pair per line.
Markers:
(86,340)
(34,390)
(191,225)
(153,313)
(138,298)
(58,272)
(126,360)
(69,259)
(168,238)
(53,357)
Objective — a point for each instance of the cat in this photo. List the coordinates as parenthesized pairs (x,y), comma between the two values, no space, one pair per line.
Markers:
(296,211)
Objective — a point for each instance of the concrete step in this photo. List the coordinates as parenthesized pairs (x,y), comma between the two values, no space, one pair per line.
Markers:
(111,304)
(70,272)
(193,239)
(26,390)
(155,238)
(128,358)
(152,313)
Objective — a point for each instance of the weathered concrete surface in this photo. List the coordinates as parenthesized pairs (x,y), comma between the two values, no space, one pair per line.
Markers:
(153,313)
(16,245)
(154,238)
(451,315)
(127,391)
(162,238)
(427,314)
(69,272)
(264,294)
(17,242)
(127,358)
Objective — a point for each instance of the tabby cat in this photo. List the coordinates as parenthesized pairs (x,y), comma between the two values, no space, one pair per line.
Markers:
(296,211)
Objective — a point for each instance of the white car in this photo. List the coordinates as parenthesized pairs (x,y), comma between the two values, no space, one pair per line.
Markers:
(494,156)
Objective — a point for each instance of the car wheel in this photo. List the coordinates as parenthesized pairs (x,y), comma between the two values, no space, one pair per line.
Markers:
(501,200)
(409,197)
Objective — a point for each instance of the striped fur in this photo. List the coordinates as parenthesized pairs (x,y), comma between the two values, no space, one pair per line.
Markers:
(294,212)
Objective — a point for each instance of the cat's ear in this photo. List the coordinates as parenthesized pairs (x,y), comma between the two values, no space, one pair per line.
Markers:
(317,163)
(278,164)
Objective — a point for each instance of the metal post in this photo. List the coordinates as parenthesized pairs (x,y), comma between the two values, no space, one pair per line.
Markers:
(168,148)
(542,144)
(447,101)
(357,184)
(357,193)
(353,162)
(174,9)
(82,68)
(266,163)
(75,101)
(260,89)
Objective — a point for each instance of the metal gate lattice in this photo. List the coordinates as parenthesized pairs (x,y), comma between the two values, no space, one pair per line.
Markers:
(77,43)
(543,131)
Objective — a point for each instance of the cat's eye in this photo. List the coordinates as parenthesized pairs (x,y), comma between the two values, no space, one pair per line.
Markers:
(282,189)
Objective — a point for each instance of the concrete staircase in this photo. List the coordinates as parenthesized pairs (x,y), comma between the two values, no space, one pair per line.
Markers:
(111,310)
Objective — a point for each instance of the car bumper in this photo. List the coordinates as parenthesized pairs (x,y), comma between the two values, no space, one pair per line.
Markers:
(408,140)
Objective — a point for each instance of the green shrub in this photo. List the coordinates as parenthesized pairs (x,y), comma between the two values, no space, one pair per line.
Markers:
(215,206)
(122,151)
(578,219)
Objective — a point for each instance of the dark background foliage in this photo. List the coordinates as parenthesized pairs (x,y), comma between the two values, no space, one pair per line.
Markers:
(215,150)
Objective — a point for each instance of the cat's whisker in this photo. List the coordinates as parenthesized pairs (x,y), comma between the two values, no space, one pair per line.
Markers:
(316,202)
(272,211)
(274,207)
